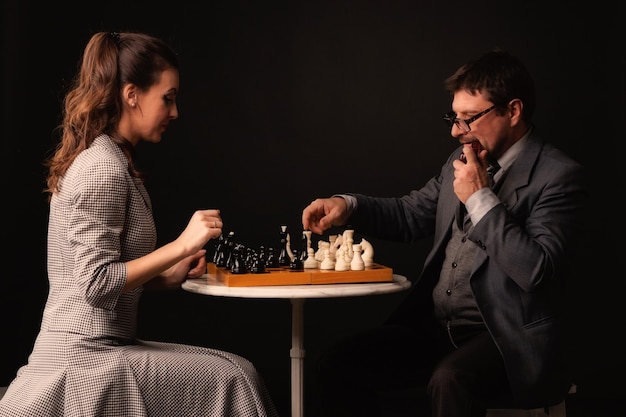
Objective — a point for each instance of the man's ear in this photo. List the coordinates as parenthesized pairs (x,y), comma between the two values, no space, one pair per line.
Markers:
(516,108)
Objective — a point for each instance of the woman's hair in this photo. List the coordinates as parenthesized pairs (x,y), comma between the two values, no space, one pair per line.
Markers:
(93,104)
(498,75)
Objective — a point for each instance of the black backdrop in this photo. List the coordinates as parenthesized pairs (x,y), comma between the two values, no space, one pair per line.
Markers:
(284,101)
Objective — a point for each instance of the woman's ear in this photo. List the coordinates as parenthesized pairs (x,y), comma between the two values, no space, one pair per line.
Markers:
(129,95)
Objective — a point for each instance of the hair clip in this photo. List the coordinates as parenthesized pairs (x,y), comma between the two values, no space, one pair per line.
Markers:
(115,36)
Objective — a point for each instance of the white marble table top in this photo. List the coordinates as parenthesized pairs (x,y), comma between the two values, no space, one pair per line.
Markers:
(209,285)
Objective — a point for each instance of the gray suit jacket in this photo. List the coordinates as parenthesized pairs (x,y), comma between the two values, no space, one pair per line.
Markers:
(519,277)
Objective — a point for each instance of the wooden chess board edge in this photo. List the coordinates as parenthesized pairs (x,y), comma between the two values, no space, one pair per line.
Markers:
(285,276)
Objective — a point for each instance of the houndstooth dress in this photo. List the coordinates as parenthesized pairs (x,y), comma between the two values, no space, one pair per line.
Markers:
(86,360)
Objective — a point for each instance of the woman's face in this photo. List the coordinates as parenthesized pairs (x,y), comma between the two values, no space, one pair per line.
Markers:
(152,110)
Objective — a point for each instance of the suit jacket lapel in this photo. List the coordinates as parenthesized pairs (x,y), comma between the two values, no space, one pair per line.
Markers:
(519,173)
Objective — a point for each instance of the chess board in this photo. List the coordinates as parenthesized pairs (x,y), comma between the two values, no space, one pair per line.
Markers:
(285,276)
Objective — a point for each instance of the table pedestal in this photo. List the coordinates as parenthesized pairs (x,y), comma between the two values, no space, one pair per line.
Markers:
(297,354)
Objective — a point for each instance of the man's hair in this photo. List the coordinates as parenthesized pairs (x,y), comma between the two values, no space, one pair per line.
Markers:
(498,75)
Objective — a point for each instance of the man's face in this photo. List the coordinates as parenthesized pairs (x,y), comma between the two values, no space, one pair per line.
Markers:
(492,129)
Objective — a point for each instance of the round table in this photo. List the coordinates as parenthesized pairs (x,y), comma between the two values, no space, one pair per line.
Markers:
(297,294)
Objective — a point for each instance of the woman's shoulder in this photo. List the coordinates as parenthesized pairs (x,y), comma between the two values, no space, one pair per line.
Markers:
(102,162)
(102,153)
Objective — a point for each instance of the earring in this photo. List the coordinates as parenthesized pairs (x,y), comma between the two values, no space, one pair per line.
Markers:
(133,104)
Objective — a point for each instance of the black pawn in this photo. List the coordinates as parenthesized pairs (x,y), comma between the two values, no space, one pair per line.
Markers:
(296,264)
(238,266)
(271,261)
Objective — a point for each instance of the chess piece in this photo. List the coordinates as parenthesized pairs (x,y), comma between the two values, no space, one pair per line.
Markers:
(357,264)
(341,261)
(227,247)
(310,262)
(232,245)
(328,263)
(304,246)
(250,254)
(367,253)
(218,248)
(238,266)
(307,235)
(348,241)
(335,242)
(296,263)
(290,253)
(257,266)
(271,260)
(322,246)
(262,255)
(283,256)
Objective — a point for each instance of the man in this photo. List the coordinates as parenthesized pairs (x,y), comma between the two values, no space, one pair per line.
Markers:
(485,319)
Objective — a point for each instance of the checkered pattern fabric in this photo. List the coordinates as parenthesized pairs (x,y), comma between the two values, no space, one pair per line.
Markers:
(87,360)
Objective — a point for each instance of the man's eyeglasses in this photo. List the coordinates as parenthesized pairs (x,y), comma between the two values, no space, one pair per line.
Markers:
(464,124)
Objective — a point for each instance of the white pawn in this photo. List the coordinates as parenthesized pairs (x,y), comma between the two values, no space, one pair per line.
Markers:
(341,263)
(310,262)
(367,252)
(357,263)
(328,263)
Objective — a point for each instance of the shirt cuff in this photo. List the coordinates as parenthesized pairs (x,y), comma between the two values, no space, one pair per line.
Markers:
(479,203)
(350,201)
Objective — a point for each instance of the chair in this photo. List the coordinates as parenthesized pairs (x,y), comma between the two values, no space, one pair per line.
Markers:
(557,410)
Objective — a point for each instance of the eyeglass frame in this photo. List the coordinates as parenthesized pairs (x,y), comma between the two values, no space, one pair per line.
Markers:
(451,119)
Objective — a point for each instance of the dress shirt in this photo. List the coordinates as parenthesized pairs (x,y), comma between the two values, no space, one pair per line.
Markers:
(483,200)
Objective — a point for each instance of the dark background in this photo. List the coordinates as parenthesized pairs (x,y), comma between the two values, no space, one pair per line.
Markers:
(285,101)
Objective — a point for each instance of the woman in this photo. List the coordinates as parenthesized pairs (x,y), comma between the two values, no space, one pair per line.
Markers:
(87,360)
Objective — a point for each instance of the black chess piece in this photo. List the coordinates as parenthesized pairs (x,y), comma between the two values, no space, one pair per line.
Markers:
(250,253)
(262,255)
(226,249)
(218,248)
(304,254)
(237,264)
(257,265)
(283,256)
(296,264)
(271,260)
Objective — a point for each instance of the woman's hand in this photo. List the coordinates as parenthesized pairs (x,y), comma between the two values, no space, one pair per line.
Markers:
(203,226)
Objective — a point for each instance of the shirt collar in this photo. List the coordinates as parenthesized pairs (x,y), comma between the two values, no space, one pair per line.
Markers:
(507,158)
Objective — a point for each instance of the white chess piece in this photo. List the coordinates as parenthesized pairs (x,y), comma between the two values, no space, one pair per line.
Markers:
(348,241)
(335,242)
(341,261)
(310,262)
(328,263)
(357,263)
(367,252)
(307,234)
(322,246)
